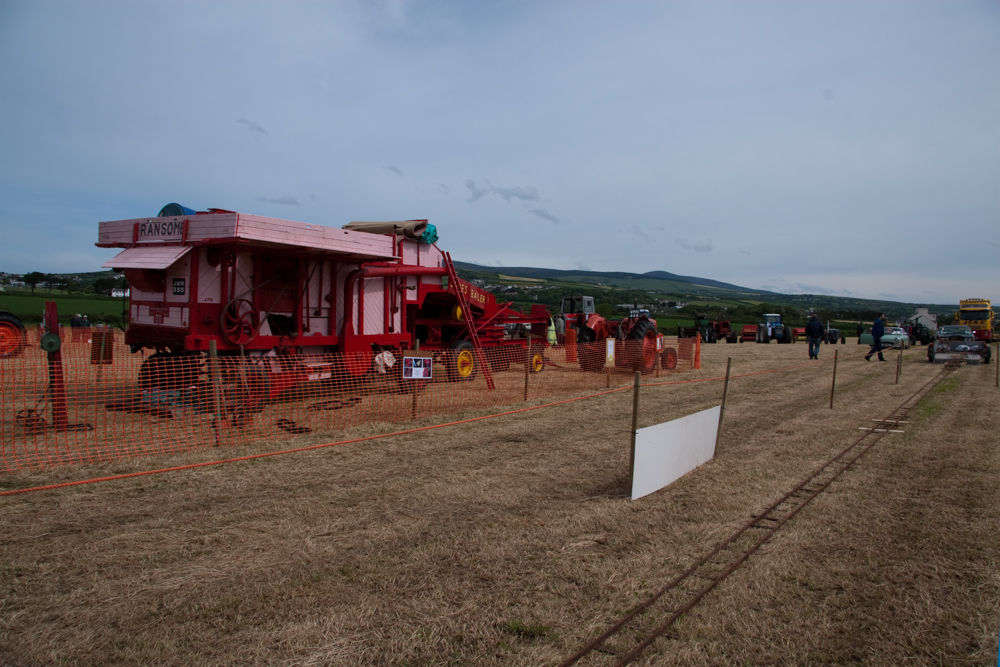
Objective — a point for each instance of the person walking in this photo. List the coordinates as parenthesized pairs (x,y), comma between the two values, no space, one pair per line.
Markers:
(878,330)
(814,335)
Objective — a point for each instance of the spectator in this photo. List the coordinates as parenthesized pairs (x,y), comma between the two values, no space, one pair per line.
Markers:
(814,334)
(878,330)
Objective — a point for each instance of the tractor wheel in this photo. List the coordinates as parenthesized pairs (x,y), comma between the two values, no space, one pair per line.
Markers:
(462,365)
(13,338)
(643,343)
(668,358)
(843,340)
(591,358)
(713,337)
(787,338)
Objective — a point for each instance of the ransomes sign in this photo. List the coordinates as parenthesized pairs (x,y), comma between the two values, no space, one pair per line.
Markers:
(160,230)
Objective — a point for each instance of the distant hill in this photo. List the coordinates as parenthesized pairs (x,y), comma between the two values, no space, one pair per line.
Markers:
(606,276)
(696,290)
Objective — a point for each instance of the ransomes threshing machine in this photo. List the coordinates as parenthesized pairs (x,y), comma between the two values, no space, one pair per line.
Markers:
(274,297)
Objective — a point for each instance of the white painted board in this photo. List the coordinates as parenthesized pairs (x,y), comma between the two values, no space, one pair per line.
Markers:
(668,451)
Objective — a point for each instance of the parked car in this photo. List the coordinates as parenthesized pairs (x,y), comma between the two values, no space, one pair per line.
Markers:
(956,341)
(893,337)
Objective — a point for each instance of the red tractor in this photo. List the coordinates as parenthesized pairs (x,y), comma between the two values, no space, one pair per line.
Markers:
(275,297)
(635,336)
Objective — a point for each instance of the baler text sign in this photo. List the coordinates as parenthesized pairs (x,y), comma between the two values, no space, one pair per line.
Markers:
(160,230)
(473,295)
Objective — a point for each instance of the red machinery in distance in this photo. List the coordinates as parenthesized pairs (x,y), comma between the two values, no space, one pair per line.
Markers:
(274,296)
(637,333)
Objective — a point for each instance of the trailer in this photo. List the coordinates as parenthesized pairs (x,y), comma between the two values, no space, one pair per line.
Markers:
(282,303)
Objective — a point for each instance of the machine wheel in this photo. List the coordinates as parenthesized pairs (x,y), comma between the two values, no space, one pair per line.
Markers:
(843,340)
(644,358)
(668,358)
(13,338)
(787,338)
(240,325)
(536,359)
(712,336)
(591,358)
(245,386)
(462,364)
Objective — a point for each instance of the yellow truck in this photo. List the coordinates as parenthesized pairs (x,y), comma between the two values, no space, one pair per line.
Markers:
(978,316)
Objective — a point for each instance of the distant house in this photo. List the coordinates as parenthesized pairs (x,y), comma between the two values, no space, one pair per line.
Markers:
(925,317)
(119,292)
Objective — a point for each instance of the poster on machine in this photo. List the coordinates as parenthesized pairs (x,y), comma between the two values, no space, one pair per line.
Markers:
(417,367)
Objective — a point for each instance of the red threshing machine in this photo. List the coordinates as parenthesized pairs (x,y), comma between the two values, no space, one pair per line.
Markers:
(274,296)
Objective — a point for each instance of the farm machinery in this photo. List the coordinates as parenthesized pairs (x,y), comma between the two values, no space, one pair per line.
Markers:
(637,334)
(272,299)
(773,329)
(711,331)
(13,337)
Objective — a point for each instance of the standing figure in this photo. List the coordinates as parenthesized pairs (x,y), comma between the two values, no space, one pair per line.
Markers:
(878,330)
(814,334)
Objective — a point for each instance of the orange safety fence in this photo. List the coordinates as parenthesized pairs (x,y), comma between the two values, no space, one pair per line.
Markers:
(98,402)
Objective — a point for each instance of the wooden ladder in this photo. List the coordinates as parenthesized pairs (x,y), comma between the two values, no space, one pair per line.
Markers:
(463,303)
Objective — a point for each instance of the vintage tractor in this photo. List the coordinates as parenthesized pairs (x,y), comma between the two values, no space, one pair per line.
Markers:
(720,329)
(635,336)
(13,337)
(286,303)
(773,329)
(700,328)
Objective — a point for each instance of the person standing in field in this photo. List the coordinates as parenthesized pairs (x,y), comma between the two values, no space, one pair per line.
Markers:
(878,330)
(814,335)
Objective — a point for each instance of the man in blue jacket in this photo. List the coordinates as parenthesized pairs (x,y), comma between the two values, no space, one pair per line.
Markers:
(878,330)
(814,335)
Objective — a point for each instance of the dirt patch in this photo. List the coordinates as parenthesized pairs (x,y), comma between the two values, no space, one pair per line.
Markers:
(511,541)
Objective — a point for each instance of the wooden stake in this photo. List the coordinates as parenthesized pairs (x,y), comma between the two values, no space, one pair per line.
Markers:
(833,385)
(899,361)
(722,408)
(635,423)
(414,386)
(527,366)
(216,390)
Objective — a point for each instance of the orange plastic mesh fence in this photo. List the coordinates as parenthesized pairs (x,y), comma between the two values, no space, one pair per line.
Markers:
(95,401)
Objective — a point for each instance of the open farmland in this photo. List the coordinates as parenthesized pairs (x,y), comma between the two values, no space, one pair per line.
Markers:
(511,542)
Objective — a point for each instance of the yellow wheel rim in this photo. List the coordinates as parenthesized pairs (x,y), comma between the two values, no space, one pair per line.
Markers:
(465,364)
(537,362)
(457,313)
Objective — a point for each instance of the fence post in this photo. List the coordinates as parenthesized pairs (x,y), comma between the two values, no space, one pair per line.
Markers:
(527,366)
(413,384)
(996,361)
(899,361)
(216,390)
(722,408)
(635,424)
(833,385)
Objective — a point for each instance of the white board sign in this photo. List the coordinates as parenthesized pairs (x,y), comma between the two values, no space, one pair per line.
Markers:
(417,368)
(609,351)
(668,451)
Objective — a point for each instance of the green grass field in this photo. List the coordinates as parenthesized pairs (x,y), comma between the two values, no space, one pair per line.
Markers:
(30,307)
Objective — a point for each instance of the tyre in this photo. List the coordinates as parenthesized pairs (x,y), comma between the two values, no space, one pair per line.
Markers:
(169,372)
(712,336)
(843,340)
(462,365)
(536,359)
(642,341)
(668,358)
(13,338)
(787,338)
(591,357)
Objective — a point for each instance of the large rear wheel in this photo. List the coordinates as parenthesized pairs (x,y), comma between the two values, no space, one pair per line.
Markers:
(13,338)
(591,352)
(642,355)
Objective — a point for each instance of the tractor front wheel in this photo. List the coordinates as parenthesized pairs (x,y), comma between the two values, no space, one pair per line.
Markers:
(591,353)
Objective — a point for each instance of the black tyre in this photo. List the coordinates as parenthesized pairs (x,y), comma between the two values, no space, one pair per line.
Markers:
(169,372)
(462,364)
(712,336)
(642,346)
(591,357)
(13,338)
(246,385)
(843,340)
(788,335)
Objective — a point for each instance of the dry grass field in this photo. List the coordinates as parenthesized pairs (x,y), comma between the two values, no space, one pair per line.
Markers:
(511,541)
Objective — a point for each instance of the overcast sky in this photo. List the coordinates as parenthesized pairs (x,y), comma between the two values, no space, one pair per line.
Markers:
(829,147)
